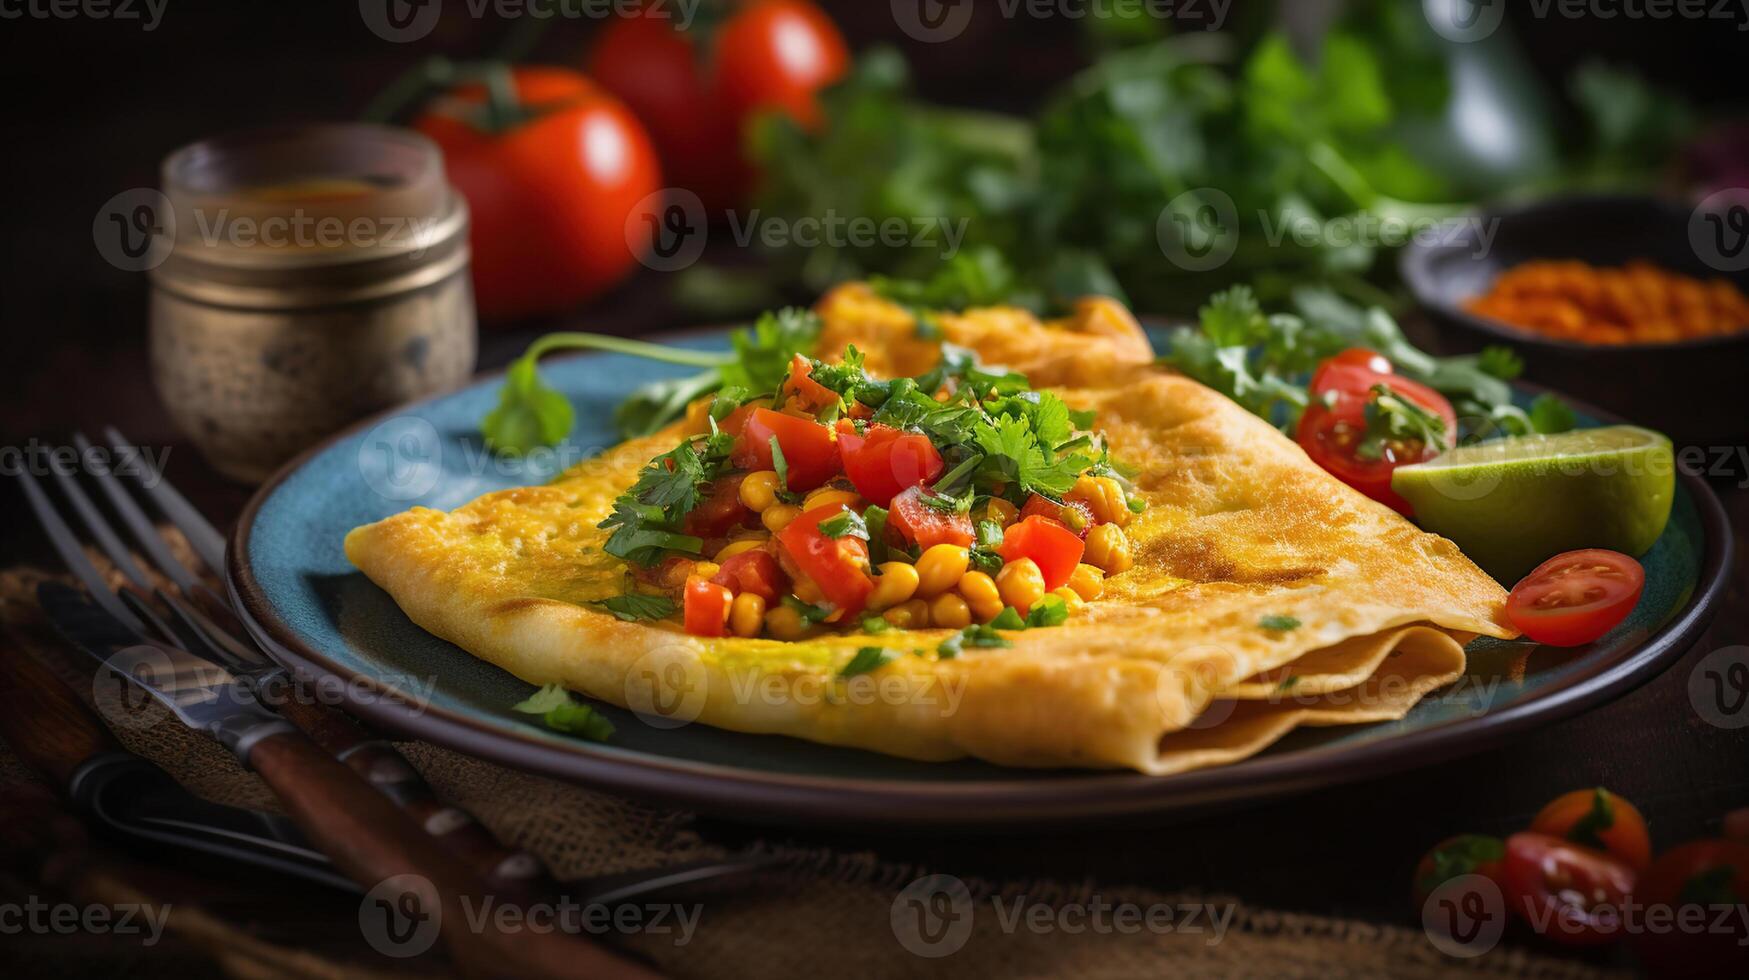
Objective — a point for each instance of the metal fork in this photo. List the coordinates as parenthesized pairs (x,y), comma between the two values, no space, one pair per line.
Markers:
(187,614)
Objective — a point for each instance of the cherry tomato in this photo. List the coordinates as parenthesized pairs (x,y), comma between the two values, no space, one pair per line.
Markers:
(808,449)
(1333,427)
(550,196)
(1361,357)
(706,608)
(1600,820)
(924,526)
(697,96)
(1576,597)
(1691,889)
(1072,514)
(1735,826)
(1464,854)
(1566,892)
(719,509)
(800,386)
(839,566)
(882,461)
(753,571)
(1054,548)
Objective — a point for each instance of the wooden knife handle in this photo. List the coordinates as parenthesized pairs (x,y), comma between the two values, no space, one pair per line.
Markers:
(364,834)
(52,731)
(507,872)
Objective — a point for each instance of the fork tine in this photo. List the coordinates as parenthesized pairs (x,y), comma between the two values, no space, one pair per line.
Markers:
(224,643)
(145,534)
(67,546)
(208,543)
(94,522)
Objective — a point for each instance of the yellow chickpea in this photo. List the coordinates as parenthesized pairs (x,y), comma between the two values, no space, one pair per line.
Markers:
(1001,511)
(747,614)
(783,623)
(734,548)
(1103,496)
(759,490)
(1071,599)
(777,516)
(949,611)
(1108,549)
(831,497)
(939,568)
(896,583)
(705,569)
(981,595)
(807,590)
(1020,583)
(911,615)
(1087,581)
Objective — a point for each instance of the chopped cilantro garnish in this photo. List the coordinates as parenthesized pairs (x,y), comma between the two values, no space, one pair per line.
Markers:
(866,659)
(634,606)
(781,466)
(1392,418)
(972,636)
(647,519)
(1008,619)
(1049,610)
(875,624)
(560,713)
(844,523)
(1279,624)
(809,612)
(874,519)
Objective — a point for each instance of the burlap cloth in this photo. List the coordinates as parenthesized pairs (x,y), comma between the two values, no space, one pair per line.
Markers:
(833,914)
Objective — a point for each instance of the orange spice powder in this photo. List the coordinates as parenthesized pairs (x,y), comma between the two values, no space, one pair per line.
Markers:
(1636,304)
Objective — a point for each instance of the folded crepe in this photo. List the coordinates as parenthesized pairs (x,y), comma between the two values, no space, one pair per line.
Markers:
(1265,594)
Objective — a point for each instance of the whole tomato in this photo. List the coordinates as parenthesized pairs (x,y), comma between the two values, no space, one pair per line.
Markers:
(696,88)
(551,179)
(1696,897)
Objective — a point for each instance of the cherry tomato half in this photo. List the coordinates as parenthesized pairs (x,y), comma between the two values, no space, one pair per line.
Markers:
(1568,893)
(925,526)
(1464,854)
(1576,597)
(800,385)
(705,608)
(1333,428)
(883,461)
(808,450)
(1054,548)
(753,571)
(1692,889)
(1600,820)
(839,566)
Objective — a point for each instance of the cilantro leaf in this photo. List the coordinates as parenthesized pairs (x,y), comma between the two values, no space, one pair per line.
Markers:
(633,606)
(866,659)
(1549,415)
(1049,610)
(845,522)
(529,414)
(1392,418)
(1008,619)
(560,713)
(1279,624)
(874,521)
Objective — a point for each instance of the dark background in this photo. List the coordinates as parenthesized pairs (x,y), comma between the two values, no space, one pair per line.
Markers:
(92,106)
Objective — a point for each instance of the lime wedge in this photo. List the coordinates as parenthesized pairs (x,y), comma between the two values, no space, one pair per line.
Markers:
(1512,503)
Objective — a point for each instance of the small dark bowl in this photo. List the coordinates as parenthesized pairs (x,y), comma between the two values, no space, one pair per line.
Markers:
(1696,392)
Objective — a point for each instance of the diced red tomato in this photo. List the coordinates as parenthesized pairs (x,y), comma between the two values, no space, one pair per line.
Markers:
(807,445)
(801,386)
(1072,514)
(1333,426)
(883,461)
(923,525)
(720,509)
(1568,893)
(753,571)
(706,608)
(1576,597)
(839,566)
(1054,548)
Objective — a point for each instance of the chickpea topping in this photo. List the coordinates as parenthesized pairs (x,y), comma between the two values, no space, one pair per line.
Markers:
(1087,581)
(896,583)
(777,516)
(1071,599)
(734,548)
(832,497)
(1001,511)
(1109,549)
(1020,583)
(759,490)
(940,567)
(783,623)
(747,614)
(705,569)
(911,615)
(981,595)
(949,611)
(807,590)
(1103,496)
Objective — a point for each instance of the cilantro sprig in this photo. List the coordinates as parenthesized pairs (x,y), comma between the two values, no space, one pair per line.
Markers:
(560,713)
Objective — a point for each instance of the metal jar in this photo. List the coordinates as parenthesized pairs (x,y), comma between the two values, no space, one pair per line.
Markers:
(318,274)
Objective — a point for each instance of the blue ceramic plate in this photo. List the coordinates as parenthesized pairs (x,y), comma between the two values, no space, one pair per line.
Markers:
(316,613)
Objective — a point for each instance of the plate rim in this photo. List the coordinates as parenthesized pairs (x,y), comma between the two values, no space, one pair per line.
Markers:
(786,798)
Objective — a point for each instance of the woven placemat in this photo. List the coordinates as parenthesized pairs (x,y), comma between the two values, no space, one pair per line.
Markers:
(837,913)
